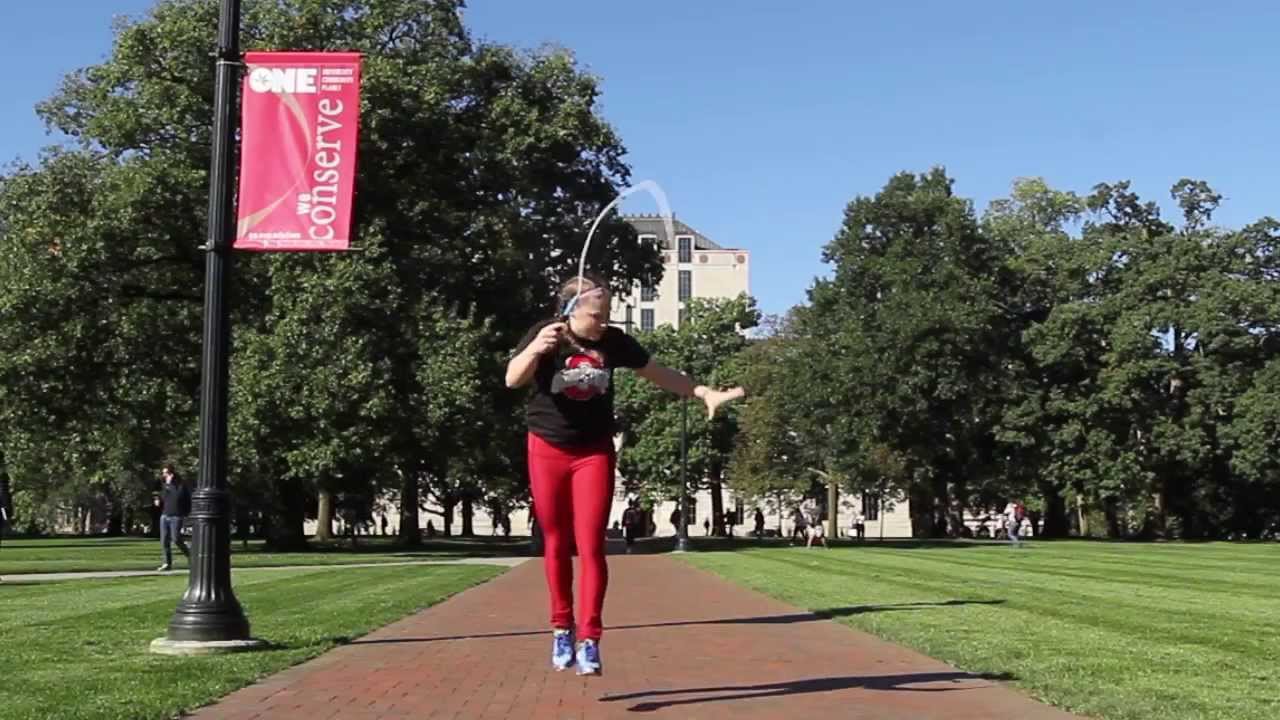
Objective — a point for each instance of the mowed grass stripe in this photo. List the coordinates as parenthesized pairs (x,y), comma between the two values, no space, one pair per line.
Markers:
(956,631)
(1010,563)
(33,605)
(1134,610)
(1110,648)
(19,557)
(1019,562)
(89,659)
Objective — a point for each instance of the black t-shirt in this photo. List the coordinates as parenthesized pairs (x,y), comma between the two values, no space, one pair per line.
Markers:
(175,500)
(572,400)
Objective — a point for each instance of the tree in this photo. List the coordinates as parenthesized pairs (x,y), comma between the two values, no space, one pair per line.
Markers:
(1047,269)
(705,346)
(481,168)
(93,385)
(907,328)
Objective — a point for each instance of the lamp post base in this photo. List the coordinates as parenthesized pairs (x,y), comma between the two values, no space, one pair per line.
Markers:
(165,646)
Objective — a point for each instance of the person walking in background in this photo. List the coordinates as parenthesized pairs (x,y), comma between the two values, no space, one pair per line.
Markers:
(6,505)
(815,532)
(174,502)
(799,528)
(1014,512)
(632,520)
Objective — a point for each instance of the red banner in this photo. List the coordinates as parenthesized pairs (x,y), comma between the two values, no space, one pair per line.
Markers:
(299,118)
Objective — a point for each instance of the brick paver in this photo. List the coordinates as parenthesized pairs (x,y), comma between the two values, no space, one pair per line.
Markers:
(679,643)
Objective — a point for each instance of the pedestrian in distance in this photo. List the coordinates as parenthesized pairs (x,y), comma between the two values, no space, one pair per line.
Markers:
(174,501)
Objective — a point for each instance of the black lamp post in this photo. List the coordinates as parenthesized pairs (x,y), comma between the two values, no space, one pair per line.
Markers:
(209,618)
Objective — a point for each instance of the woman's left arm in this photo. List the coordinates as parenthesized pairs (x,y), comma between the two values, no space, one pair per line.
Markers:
(677,382)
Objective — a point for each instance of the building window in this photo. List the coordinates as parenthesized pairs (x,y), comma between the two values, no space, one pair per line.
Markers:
(686,285)
(870,507)
(686,248)
(648,293)
(646,319)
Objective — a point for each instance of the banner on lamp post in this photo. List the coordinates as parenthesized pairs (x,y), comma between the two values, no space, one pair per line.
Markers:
(299,125)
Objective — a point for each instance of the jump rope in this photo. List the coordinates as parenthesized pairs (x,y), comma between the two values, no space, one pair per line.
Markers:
(668,224)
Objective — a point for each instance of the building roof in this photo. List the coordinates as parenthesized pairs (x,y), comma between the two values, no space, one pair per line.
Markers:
(653,225)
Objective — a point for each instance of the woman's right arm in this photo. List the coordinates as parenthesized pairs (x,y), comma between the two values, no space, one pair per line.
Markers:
(520,368)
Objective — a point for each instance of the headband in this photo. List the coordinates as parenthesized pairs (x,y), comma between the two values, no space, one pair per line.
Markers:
(569,306)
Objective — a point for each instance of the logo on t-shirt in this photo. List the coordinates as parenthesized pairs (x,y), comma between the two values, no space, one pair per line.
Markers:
(583,377)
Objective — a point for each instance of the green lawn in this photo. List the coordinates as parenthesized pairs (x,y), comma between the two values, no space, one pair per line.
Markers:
(78,649)
(75,554)
(1114,631)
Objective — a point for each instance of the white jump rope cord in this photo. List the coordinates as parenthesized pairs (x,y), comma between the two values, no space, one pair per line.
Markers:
(668,224)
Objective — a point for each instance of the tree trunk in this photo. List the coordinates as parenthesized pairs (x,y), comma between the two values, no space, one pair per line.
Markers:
(780,516)
(410,533)
(1190,522)
(447,516)
(1082,516)
(289,528)
(115,514)
(941,508)
(717,503)
(324,515)
(266,525)
(1159,523)
(1112,511)
(242,523)
(956,508)
(833,509)
(1055,513)
(921,511)
(468,513)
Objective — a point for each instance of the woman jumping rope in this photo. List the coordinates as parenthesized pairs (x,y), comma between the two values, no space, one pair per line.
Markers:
(570,361)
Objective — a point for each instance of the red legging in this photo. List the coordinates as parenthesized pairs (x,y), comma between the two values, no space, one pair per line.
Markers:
(572,493)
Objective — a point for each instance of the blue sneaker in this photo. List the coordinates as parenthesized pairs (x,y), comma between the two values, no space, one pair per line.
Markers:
(562,650)
(589,658)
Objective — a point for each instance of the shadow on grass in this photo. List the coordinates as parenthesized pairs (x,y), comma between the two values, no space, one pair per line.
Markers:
(900,683)
(800,617)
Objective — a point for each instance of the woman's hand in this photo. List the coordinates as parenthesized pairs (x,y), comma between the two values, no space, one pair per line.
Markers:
(713,399)
(546,339)
(521,367)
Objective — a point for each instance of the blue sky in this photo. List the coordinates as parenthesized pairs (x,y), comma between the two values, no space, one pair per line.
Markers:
(762,119)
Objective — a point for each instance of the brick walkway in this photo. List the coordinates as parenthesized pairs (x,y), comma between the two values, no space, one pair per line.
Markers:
(679,643)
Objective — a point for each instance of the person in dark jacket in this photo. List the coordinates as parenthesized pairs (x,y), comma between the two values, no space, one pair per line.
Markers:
(6,504)
(174,502)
